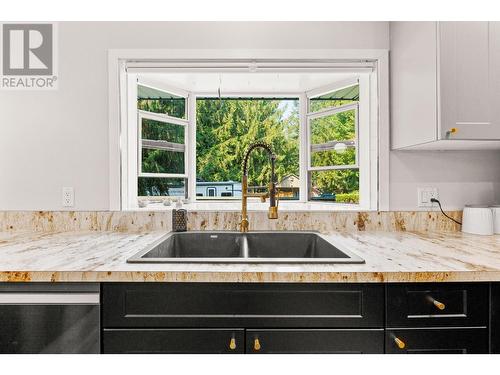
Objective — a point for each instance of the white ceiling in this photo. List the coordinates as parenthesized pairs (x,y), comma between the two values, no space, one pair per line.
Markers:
(246,82)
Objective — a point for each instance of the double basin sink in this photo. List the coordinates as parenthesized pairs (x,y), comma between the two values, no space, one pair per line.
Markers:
(252,247)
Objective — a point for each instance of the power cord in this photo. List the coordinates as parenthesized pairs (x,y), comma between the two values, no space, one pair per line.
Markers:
(434,200)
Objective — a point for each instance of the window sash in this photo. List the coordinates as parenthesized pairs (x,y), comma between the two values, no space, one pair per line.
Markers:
(160,144)
(143,81)
(166,119)
(326,113)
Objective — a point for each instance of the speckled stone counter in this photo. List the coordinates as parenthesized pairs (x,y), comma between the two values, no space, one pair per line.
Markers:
(100,256)
(123,221)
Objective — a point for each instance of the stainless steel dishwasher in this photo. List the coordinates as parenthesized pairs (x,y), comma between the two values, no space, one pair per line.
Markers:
(49,318)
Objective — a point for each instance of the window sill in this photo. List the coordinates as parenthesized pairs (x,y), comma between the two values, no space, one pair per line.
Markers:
(257,207)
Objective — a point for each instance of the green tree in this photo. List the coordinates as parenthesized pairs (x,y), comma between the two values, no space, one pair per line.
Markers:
(225,129)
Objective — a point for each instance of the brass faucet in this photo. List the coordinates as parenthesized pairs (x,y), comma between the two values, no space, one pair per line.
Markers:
(271,194)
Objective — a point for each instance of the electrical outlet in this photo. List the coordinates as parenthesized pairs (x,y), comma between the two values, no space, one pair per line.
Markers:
(425,194)
(68,196)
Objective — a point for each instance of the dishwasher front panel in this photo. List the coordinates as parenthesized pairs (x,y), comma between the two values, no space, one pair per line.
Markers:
(44,318)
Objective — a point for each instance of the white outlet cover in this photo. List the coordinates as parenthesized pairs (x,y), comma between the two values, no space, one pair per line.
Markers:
(424,195)
(68,196)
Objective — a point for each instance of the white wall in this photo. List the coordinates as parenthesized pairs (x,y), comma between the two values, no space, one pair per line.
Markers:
(462,177)
(60,138)
(54,139)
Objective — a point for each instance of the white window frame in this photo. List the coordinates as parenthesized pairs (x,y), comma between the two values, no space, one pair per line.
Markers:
(330,112)
(364,166)
(373,111)
(164,118)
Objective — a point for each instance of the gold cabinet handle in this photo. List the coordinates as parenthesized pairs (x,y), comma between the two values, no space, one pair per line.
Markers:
(400,343)
(232,344)
(256,345)
(439,305)
(451,131)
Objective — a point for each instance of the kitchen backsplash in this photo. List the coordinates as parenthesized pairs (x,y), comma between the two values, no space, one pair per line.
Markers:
(62,221)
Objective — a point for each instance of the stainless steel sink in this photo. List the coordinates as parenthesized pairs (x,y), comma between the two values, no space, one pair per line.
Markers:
(251,247)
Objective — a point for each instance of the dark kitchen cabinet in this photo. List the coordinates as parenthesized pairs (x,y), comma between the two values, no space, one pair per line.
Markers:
(174,341)
(321,341)
(298,318)
(437,341)
(250,318)
(437,318)
(205,317)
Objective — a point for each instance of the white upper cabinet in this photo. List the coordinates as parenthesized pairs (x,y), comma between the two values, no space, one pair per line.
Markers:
(465,77)
(445,85)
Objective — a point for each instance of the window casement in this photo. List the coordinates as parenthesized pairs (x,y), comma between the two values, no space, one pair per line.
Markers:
(162,134)
(171,146)
(332,141)
(337,139)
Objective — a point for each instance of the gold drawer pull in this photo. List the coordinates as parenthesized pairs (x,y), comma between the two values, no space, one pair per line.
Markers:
(439,305)
(256,345)
(232,344)
(400,343)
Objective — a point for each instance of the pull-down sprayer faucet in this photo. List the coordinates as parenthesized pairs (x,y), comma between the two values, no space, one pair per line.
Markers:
(272,193)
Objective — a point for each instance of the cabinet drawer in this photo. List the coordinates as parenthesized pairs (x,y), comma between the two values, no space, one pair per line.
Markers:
(171,341)
(430,305)
(437,341)
(315,341)
(242,305)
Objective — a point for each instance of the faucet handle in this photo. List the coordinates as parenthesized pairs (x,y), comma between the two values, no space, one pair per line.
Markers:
(244,225)
(273,212)
(273,193)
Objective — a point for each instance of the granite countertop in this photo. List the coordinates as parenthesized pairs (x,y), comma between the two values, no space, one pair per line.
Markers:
(95,256)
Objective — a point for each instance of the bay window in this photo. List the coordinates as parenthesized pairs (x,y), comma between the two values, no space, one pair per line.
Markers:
(188,127)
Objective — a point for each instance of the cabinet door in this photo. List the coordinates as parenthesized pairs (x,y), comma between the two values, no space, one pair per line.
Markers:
(465,74)
(413,83)
(173,341)
(315,341)
(437,341)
